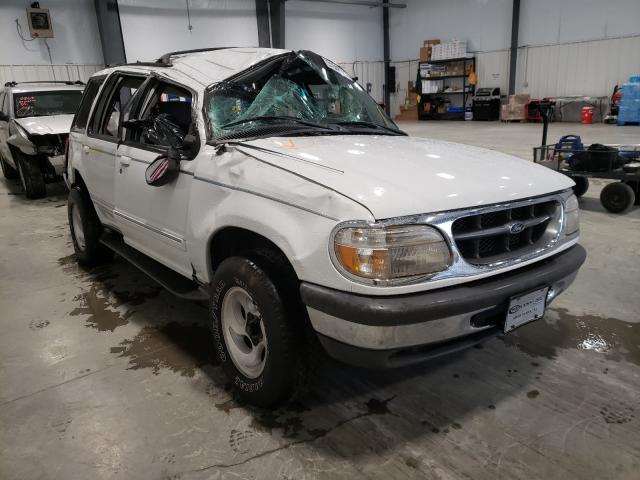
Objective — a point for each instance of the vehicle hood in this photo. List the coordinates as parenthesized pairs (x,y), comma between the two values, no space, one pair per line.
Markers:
(54,124)
(395,176)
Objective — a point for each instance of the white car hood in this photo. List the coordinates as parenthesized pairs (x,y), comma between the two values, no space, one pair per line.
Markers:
(395,176)
(53,124)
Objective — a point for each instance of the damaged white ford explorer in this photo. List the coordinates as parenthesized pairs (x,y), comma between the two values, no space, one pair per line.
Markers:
(269,183)
(35,118)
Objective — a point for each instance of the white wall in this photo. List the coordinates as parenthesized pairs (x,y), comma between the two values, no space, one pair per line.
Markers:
(567,47)
(75,48)
(350,35)
(151,28)
(343,33)
(544,22)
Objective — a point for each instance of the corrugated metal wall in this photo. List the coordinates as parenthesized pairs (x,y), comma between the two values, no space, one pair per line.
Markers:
(582,68)
(26,73)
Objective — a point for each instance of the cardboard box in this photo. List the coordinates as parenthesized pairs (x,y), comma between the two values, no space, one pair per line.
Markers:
(427,48)
(425,54)
(411,87)
(520,99)
(512,111)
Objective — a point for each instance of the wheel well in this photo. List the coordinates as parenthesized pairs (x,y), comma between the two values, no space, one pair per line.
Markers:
(232,241)
(79,181)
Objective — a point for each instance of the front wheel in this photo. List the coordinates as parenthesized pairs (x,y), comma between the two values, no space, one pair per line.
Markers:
(30,177)
(255,340)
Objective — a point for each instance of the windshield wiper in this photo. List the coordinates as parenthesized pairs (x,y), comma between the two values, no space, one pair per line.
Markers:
(358,123)
(277,117)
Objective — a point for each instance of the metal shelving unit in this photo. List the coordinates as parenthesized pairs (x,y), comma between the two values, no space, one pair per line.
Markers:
(435,99)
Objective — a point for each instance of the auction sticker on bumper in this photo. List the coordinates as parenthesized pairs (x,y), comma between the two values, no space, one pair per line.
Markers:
(525,308)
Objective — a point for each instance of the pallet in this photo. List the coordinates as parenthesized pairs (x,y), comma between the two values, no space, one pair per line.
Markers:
(513,120)
(628,124)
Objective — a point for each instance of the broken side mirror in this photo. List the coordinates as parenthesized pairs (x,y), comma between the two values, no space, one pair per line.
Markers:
(164,169)
(190,146)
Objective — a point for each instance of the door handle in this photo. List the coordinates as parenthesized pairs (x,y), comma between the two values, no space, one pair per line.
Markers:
(86,149)
(125,161)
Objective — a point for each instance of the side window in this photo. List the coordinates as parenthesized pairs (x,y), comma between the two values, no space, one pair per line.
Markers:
(90,92)
(165,118)
(107,119)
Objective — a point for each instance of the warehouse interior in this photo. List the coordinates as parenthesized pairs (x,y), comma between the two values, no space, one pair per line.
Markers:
(105,374)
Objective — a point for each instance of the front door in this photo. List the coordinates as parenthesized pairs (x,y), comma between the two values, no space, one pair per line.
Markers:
(153,219)
(103,136)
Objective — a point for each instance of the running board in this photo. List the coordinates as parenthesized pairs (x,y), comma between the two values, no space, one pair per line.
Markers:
(177,284)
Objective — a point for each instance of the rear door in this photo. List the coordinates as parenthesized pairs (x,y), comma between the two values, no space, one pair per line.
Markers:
(102,139)
(78,132)
(153,219)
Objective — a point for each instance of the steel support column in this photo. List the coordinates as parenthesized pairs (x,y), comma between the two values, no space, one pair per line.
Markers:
(110,30)
(513,57)
(276,14)
(387,60)
(264,28)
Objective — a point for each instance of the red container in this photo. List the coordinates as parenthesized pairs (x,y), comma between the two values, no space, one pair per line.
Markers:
(587,115)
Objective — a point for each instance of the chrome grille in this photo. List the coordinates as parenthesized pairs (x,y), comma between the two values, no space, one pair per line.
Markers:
(497,234)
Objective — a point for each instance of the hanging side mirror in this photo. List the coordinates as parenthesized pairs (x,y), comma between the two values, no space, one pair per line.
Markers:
(164,169)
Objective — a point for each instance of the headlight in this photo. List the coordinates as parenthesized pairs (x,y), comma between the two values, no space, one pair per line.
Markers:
(571,215)
(387,253)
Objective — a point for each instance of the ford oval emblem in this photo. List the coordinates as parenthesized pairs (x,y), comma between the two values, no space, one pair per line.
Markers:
(515,309)
(516,227)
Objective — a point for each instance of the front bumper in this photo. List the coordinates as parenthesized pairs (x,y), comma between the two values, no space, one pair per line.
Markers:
(393,331)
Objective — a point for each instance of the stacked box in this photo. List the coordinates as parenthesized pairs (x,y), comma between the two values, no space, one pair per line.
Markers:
(515,109)
(445,51)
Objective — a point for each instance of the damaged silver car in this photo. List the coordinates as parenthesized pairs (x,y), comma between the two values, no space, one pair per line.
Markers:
(35,119)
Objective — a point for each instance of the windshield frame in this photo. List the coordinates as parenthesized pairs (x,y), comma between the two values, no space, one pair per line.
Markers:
(272,63)
(16,95)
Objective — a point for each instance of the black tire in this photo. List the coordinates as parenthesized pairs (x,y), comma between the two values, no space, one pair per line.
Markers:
(30,177)
(86,242)
(8,171)
(581,186)
(617,197)
(276,381)
(636,189)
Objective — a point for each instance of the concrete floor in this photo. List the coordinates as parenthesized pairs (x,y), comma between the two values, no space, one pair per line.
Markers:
(105,375)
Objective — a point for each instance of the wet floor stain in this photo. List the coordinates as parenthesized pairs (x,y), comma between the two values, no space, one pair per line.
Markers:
(619,414)
(613,338)
(175,347)
(38,324)
(102,313)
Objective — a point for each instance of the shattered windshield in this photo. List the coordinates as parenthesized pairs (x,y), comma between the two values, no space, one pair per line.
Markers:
(42,104)
(299,93)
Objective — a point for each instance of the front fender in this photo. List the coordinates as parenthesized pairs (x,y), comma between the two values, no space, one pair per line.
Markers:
(19,139)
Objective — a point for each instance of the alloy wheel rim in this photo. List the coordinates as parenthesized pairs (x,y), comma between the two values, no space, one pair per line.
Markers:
(78,231)
(244,332)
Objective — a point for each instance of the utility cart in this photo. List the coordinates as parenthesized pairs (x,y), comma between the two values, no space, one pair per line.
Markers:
(581,162)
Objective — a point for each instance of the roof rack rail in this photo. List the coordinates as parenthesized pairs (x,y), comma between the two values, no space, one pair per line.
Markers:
(165,60)
(13,83)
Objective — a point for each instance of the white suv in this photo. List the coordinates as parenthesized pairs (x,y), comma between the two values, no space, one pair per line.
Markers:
(35,118)
(268,182)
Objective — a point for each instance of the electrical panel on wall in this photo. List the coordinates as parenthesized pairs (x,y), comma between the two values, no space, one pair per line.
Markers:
(39,22)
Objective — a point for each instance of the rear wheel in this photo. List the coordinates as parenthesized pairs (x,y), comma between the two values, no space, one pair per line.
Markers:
(256,341)
(30,177)
(7,170)
(85,229)
(617,197)
(581,186)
